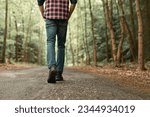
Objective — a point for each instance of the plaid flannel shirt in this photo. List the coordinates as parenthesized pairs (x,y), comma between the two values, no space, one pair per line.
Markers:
(56,9)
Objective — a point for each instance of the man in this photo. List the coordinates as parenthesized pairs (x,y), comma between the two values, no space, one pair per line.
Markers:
(56,14)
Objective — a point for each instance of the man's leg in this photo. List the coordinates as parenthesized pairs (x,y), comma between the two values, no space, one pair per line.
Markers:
(61,33)
(51,29)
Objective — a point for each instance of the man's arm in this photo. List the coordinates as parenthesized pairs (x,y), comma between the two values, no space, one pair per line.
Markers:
(41,7)
(72,7)
(42,10)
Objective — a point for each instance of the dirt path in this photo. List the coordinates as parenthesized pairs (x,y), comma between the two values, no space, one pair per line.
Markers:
(31,84)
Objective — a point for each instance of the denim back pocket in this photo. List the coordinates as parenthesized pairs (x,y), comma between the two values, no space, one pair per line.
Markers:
(63,22)
(50,22)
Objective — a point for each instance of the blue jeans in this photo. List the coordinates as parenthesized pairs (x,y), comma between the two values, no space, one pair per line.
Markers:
(56,28)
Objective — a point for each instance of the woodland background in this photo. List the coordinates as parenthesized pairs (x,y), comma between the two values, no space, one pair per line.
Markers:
(100,32)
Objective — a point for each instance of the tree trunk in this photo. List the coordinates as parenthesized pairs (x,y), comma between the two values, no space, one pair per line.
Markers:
(28,32)
(132,20)
(121,15)
(106,32)
(16,39)
(88,59)
(112,34)
(9,26)
(93,36)
(40,44)
(84,46)
(140,36)
(77,39)
(71,48)
(5,32)
(131,41)
(146,28)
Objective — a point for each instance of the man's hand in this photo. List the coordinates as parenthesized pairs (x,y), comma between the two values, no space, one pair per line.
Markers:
(42,10)
(72,7)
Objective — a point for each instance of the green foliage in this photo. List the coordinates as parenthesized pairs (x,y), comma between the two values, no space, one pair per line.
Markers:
(26,35)
(78,28)
(24,31)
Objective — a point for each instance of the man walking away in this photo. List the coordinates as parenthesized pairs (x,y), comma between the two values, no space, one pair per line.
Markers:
(56,14)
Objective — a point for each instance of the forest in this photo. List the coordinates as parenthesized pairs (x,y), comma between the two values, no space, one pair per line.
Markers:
(99,32)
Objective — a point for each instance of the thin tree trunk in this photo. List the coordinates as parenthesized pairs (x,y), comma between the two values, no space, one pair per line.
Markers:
(9,27)
(140,36)
(40,45)
(66,55)
(132,19)
(146,27)
(112,34)
(111,9)
(27,37)
(84,44)
(5,32)
(22,22)
(71,48)
(93,36)
(121,14)
(16,39)
(133,30)
(88,59)
(131,42)
(77,39)
(106,32)
(83,47)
